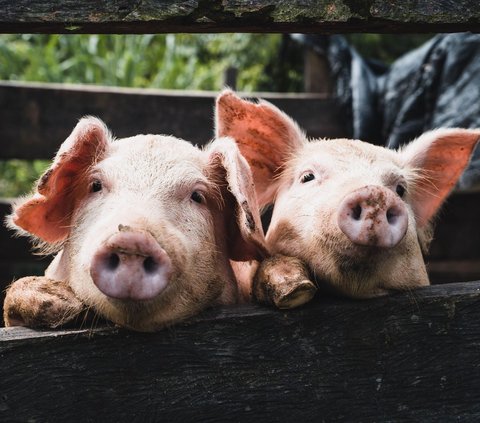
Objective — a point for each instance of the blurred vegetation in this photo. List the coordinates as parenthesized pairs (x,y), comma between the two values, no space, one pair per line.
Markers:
(17,176)
(183,61)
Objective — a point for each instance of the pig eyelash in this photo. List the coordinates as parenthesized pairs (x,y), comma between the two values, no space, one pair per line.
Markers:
(400,190)
(197,197)
(96,186)
(307,177)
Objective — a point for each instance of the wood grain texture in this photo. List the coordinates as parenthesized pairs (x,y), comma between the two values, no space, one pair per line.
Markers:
(157,16)
(37,118)
(409,357)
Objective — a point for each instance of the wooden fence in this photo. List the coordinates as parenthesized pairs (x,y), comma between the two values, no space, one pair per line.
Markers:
(407,357)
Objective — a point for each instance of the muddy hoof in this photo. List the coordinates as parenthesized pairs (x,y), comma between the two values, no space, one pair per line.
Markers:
(300,294)
(284,282)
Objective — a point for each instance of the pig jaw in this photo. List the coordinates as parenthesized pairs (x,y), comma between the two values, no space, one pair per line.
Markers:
(367,272)
(187,285)
(356,271)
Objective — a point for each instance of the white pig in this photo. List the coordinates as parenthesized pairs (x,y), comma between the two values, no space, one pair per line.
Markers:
(144,229)
(359,216)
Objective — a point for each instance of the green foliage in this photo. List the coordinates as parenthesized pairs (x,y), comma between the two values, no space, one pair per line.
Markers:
(18,176)
(182,61)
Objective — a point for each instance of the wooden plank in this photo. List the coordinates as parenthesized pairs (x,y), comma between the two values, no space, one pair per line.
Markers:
(457,231)
(16,257)
(447,271)
(408,357)
(36,118)
(157,16)
(316,74)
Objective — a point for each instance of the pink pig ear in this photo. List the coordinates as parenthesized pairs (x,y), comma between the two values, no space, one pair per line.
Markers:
(47,212)
(265,136)
(244,233)
(440,157)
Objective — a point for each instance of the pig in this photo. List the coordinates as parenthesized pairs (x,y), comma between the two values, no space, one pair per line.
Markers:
(145,230)
(358,216)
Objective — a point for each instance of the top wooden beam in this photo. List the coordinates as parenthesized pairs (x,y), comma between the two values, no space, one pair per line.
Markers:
(163,16)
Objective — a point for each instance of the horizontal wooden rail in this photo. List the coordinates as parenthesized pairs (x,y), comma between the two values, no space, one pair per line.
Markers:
(36,118)
(407,357)
(153,16)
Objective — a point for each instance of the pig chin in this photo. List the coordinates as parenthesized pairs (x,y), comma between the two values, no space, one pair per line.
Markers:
(347,274)
(359,271)
(179,277)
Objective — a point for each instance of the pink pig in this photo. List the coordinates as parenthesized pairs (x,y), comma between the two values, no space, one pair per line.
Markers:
(144,229)
(359,216)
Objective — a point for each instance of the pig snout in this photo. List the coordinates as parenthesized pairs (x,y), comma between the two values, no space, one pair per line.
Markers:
(131,265)
(373,216)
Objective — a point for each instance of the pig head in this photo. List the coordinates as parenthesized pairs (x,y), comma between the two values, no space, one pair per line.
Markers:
(358,215)
(144,227)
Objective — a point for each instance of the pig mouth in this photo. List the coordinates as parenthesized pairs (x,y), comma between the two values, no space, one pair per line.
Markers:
(348,273)
(355,277)
(353,253)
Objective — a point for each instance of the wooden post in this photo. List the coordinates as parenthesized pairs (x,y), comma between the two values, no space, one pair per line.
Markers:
(316,74)
(230,77)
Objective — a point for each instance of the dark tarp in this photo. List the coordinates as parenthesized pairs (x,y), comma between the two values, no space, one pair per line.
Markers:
(436,85)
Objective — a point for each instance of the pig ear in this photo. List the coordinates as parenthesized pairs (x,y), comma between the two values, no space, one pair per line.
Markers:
(245,238)
(439,157)
(265,135)
(47,212)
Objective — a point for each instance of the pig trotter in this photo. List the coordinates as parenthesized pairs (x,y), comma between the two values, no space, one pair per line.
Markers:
(41,302)
(283,281)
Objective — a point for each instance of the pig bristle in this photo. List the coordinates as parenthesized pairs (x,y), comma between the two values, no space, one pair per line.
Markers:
(414,177)
(42,248)
(39,247)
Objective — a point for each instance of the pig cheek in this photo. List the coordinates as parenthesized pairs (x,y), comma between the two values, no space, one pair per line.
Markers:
(81,243)
(196,284)
(292,222)
(405,268)
(363,273)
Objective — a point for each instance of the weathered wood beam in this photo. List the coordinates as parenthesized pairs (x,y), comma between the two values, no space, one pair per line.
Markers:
(36,118)
(407,357)
(161,16)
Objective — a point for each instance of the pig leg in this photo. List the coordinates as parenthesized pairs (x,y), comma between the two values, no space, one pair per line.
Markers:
(283,281)
(41,302)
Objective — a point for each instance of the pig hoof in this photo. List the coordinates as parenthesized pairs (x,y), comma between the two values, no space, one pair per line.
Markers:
(283,281)
(297,296)
(39,302)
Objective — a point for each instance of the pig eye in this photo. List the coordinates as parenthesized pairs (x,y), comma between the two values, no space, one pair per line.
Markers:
(307,177)
(96,186)
(400,190)
(197,197)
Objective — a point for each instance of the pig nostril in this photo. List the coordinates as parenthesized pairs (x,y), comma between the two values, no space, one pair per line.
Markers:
(391,216)
(356,212)
(150,265)
(113,261)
